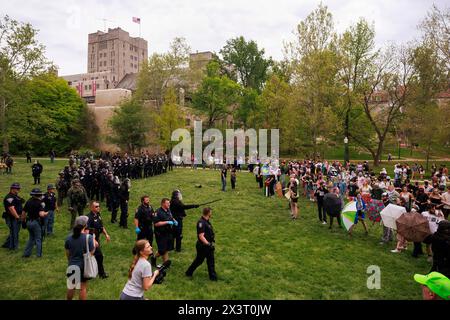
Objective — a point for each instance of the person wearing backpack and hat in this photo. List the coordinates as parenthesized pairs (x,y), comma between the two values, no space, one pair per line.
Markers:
(33,212)
(13,209)
(435,286)
(51,206)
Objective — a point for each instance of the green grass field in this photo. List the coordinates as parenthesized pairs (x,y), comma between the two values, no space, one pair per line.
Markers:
(260,252)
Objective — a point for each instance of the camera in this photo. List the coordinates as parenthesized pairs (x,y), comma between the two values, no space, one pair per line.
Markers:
(162,272)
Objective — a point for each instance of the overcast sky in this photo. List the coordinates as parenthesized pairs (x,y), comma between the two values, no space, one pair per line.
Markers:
(206,24)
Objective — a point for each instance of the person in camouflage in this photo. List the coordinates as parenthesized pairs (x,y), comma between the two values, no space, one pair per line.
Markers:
(78,199)
(62,186)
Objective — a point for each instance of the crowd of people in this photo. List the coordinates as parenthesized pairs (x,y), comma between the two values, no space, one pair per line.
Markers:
(86,181)
(359,183)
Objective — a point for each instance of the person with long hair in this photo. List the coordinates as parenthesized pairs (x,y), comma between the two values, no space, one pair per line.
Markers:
(75,246)
(140,275)
(293,189)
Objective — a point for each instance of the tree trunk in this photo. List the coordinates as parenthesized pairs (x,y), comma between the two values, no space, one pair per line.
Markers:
(377,156)
(3,126)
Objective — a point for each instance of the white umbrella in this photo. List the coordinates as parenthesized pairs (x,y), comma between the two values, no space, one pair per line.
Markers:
(390,214)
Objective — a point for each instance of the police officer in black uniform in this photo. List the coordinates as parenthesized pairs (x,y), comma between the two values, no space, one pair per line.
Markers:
(12,215)
(34,212)
(95,226)
(143,220)
(163,222)
(178,212)
(205,246)
(36,170)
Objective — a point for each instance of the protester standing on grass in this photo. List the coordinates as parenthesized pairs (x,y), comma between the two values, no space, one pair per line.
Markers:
(319,194)
(223,176)
(140,275)
(233,178)
(293,190)
(446,203)
(360,214)
(75,246)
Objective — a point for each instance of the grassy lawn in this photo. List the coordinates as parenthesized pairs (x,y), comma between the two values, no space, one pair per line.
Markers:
(260,252)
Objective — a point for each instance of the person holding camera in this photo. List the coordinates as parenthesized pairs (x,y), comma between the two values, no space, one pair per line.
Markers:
(140,275)
(95,226)
(205,246)
(163,222)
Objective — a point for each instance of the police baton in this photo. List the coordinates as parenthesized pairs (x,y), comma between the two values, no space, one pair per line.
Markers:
(202,204)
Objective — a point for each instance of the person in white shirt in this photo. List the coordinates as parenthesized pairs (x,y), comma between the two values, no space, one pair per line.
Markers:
(433,216)
(446,201)
(140,275)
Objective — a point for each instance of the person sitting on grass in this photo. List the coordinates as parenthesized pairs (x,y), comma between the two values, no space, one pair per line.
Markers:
(435,286)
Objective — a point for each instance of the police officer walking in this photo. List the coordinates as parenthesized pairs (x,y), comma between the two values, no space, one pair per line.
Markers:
(163,231)
(50,206)
(78,199)
(13,209)
(178,212)
(62,186)
(33,212)
(205,246)
(36,170)
(143,220)
(95,225)
(124,197)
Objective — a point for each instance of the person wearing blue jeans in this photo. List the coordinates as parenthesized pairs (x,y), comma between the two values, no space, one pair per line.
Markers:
(50,207)
(223,175)
(13,209)
(33,211)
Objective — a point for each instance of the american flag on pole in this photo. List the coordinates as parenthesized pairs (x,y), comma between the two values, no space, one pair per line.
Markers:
(137,20)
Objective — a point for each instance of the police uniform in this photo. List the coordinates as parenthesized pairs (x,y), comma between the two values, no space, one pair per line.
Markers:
(95,226)
(12,200)
(145,216)
(178,211)
(204,251)
(34,225)
(50,207)
(163,234)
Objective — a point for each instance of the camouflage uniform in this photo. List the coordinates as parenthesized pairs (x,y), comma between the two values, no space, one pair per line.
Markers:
(78,199)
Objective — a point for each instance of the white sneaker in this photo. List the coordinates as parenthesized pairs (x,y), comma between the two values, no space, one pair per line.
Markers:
(324,222)
(395,251)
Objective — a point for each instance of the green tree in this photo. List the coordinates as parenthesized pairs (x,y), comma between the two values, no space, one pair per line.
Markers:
(356,48)
(49,115)
(248,61)
(216,96)
(21,58)
(169,119)
(165,70)
(316,86)
(130,126)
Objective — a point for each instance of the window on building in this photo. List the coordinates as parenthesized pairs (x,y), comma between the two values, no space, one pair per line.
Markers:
(85,87)
(90,87)
(102,45)
(97,86)
(131,65)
